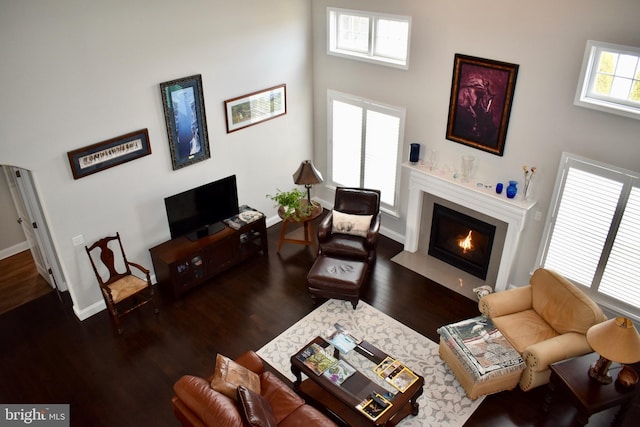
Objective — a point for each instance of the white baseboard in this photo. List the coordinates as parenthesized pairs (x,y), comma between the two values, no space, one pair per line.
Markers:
(98,306)
(15,249)
(94,308)
(393,235)
(273,220)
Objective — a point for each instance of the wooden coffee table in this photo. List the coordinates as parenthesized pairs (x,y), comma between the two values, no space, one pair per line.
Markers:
(341,400)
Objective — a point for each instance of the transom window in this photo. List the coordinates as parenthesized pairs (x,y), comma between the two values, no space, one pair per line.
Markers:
(591,236)
(369,36)
(610,79)
(364,144)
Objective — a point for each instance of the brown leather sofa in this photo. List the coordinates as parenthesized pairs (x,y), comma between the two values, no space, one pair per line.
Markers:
(197,404)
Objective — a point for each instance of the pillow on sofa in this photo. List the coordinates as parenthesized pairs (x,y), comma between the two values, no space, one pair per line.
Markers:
(228,375)
(255,409)
(356,225)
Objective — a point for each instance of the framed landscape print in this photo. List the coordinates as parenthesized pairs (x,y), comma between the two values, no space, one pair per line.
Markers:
(480,103)
(106,154)
(185,117)
(248,110)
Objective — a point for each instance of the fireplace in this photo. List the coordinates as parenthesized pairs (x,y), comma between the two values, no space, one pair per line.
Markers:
(508,215)
(460,240)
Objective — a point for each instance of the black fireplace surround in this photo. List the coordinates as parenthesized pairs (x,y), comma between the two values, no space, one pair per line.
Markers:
(449,229)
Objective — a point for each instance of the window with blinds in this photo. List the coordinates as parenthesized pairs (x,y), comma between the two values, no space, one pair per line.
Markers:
(364,145)
(621,277)
(592,233)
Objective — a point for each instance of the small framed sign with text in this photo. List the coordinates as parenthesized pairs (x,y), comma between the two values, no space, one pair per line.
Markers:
(106,154)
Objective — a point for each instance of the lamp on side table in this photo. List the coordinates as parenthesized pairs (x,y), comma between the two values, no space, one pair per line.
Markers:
(615,340)
(307,175)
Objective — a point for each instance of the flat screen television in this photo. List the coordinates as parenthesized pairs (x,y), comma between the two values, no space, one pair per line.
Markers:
(199,212)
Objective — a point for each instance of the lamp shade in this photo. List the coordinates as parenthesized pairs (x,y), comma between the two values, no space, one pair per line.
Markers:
(307,174)
(615,339)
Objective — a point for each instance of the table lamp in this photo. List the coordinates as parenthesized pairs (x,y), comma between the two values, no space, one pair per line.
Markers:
(307,175)
(615,340)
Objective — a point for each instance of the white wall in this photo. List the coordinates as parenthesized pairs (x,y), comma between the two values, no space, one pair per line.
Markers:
(76,73)
(546,38)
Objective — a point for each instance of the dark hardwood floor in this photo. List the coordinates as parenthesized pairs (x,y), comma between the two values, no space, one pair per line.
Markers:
(48,356)
(20,282)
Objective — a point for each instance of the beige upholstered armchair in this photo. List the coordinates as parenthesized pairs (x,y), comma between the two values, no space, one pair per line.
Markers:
(546,322)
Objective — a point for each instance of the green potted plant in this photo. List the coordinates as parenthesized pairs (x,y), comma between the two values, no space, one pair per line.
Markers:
(293,203)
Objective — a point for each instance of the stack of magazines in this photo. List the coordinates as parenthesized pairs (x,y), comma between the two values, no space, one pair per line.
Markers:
(246,216)
(321,363)
(374,406)
(341,338)
(396,373)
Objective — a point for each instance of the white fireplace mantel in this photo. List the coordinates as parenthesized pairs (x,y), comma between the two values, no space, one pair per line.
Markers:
(513,212)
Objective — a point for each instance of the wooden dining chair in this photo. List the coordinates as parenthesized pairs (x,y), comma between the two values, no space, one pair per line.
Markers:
(123,292)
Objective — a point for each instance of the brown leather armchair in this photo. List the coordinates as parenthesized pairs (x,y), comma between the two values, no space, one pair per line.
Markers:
(351,201)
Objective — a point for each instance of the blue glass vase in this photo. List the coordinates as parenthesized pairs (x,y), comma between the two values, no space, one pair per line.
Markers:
(414,153)
(512,189)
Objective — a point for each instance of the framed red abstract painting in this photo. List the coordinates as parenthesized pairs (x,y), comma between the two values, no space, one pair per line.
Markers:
(480,103)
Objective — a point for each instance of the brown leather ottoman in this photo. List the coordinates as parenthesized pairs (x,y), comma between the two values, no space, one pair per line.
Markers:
(337,278)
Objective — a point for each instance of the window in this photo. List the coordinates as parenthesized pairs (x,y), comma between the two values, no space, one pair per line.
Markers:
(369,36)
(364,144)
(610,79)
(592,232)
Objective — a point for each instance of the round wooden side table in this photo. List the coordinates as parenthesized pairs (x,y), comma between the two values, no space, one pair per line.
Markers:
(309,238)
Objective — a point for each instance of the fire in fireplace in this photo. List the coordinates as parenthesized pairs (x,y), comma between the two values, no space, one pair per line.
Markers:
(461,240)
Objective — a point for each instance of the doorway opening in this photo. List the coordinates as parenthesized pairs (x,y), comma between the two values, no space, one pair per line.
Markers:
(23,206)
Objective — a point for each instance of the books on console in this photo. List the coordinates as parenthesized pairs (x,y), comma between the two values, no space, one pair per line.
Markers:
(246,216)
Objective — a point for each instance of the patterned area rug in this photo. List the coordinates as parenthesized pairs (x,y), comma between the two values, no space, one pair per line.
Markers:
(443,402)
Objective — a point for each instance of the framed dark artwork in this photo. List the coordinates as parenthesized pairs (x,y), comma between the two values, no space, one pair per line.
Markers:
(256,107)
(186,121)
(480,103)
(106,154)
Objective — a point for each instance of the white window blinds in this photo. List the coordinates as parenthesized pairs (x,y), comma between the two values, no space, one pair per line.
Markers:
(364,145)
(593,230)
(582,223)
(621,278)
